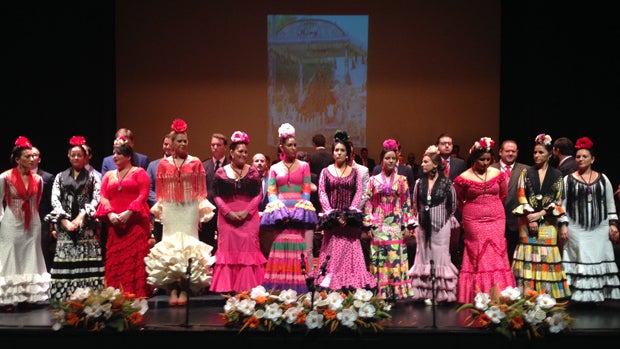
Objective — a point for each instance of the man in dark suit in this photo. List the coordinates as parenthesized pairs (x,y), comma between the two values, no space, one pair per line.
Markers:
(138,159)
(152,172)
(320,157)
(265,236)
(563,150)
(508,153)
(219,149)
(48,241)
(365,160)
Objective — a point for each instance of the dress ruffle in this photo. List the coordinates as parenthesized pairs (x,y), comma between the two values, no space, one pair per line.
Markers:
(167,262)
(332,220)
(277,216)
(31,288)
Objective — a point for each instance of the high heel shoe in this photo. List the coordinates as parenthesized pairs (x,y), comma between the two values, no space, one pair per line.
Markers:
(182,298)
(174,299)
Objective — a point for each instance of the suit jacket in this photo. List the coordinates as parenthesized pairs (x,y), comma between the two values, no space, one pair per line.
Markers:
(138,159)
(457,166)
(264,186)
(45,206)
(371,163)
(512,200)
(152,172)
(320,159)
(209,166)
(568,166)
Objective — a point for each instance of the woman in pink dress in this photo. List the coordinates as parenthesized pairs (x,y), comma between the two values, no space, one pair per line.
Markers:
(341,258)
(124,207)
(480,190)
(240,263)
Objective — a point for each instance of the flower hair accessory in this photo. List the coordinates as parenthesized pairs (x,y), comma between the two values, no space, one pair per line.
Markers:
(23,142)
(77,141)
(286,130)
(122,140)
(484,143)
(584,143)
(543,139)
(431,150)
(390,144)
(179,126)
(240,137)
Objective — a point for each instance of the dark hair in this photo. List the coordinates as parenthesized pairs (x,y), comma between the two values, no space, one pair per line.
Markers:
(125,150)
(220,136)
(343,138)
(17,152)
(319,140)
(445,134)
(564,145)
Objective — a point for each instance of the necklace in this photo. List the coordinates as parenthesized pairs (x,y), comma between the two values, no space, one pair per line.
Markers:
(288,171)
(484,180)
(588,189)
(387,188)
(179,166)
(343,171)
(238,175)
(120,178)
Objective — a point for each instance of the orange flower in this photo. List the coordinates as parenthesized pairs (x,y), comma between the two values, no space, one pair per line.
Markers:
(330,314)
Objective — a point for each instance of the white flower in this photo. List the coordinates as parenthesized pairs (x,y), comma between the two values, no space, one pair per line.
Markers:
(367,311)
(288,296)
(334,300)
(231,304)
(80,294)
(556,323)
(495,314)
(347,317)
(314,320)
(141,304)
(273,311)
(363,294)
(290,315)
(545,301)
(511,293)
(258,291)
(246,306)
(482,301)
(534,316)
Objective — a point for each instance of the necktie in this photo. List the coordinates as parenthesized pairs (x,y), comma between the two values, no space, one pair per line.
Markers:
(217,165)
(507,171)
(446,169)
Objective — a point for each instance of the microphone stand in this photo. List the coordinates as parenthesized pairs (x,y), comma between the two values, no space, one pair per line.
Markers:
(309,280)
(433,290)
(188,274)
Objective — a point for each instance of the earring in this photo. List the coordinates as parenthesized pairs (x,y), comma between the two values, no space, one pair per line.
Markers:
(434,171)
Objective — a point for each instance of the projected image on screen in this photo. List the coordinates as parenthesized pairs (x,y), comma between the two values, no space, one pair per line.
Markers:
(317,76)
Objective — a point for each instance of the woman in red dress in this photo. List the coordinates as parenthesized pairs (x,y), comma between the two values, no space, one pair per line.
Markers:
(124,208)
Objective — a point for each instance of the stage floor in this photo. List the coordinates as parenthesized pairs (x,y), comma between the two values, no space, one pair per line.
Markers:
(202,319)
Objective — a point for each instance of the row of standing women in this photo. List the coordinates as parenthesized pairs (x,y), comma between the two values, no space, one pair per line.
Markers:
(575,212)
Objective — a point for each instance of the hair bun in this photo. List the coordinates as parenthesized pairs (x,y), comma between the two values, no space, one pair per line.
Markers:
(341,136)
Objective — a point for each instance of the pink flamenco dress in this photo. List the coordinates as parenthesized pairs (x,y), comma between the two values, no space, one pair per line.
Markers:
(485,257)
(290,213)
(181,207)
(240,263)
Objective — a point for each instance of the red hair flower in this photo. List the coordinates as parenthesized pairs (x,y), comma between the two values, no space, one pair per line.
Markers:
(240,137)
(584,143)
(543,139)
(179,126)
(77,140)
(484,143)
(390,144)
(23,142)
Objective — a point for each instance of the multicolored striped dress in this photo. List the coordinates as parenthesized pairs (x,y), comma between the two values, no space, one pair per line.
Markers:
(289,212)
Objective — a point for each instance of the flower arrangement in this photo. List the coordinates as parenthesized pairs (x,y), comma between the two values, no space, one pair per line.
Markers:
(286,130)
(240,137)
(511,313)
(390,144)
(484,143)
(543,139)
(23,142)
(584,143)
(99,309)
(122,140)
(77,141)
(179,126)
(268,311)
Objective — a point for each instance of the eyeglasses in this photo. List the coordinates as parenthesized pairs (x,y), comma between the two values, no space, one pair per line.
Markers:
(445,143)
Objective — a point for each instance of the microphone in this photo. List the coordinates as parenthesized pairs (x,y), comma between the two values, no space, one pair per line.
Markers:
(303,263)
(433,269)
(324,265)
(188,272)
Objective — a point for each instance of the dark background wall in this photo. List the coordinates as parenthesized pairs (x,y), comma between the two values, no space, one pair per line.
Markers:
(558,73)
